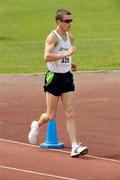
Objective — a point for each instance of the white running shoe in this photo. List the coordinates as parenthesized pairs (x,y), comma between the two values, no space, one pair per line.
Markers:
(79,150)
(32,136)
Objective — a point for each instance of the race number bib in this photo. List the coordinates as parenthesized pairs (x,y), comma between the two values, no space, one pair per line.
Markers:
(65,60)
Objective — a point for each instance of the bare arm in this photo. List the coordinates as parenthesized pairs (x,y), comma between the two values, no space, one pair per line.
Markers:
(50,43)
(73,65)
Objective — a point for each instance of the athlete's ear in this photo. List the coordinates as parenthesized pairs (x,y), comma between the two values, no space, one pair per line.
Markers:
(58,21)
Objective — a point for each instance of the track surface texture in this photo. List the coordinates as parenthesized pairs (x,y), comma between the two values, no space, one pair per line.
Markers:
(97,107)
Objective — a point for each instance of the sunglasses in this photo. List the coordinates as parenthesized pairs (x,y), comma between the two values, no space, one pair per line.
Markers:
(67,20)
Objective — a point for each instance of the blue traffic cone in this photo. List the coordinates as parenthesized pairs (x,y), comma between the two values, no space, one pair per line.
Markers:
(52,137)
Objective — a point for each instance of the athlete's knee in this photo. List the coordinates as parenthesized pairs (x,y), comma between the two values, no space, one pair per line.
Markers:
(70,113)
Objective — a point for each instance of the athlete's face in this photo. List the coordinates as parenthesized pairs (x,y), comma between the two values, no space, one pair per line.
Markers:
(66,22)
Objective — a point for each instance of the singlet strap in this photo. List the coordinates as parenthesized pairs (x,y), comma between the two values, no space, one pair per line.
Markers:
(59,37)
(68,36)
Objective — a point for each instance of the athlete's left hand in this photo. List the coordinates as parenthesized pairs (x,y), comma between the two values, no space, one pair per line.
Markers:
(74,67)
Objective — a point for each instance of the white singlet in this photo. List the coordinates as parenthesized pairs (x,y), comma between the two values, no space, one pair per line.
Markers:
(62,65)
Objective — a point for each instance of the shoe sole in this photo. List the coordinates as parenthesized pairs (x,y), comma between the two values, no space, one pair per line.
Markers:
(82,153)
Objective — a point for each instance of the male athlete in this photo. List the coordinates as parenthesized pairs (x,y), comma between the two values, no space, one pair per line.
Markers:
(59,81)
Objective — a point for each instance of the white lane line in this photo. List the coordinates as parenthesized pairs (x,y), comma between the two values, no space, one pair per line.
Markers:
(59,150)
(77,72)
(16,142)
(37,173)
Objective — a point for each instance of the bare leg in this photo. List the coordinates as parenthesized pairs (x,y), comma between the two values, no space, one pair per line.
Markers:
(51,101)
(49,115)
(67,99)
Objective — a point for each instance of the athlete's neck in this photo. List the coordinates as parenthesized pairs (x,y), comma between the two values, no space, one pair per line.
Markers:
(61,32)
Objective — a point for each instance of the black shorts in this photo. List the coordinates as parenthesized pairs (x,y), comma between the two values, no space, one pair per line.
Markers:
(58,83)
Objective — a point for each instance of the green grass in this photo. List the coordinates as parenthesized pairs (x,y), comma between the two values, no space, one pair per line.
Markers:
(26,23)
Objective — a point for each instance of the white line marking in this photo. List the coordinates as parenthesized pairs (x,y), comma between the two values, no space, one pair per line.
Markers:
(77,72)
(91,156)
(78,39)
(37,173)
(16,142)
(102,158)
(59,150)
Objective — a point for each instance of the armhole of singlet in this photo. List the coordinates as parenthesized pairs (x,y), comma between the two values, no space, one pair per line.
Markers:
(58,36)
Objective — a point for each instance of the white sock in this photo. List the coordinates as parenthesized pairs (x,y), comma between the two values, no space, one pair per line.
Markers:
(74,145)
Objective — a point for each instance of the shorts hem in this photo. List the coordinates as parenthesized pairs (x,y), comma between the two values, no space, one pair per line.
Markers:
(54,94)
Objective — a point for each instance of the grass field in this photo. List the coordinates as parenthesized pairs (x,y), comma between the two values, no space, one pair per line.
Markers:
(24,25)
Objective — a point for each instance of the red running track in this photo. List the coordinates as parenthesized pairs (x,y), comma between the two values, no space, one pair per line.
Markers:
(23,161)
(97,105)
